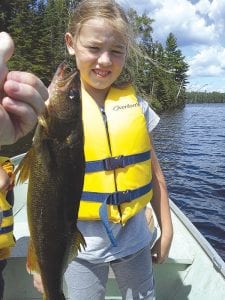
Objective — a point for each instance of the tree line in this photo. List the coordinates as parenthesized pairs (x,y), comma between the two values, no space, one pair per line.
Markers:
(38,28)
(205,97)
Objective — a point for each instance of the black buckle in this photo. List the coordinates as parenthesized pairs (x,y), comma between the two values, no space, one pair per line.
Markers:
(112,163)
(119,197)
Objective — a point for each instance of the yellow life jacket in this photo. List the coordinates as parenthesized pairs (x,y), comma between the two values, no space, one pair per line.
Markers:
(6,224)
(117,183)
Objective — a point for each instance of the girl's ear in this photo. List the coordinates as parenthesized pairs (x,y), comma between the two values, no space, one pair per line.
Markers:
(69,43)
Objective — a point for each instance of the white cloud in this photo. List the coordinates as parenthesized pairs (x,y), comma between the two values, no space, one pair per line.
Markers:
(180,17)
(141,6)
(208,62)
(183,20)
(217,14)
(203,7)
(199,27)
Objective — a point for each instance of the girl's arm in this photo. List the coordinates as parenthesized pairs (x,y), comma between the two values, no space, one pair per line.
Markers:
(160,204)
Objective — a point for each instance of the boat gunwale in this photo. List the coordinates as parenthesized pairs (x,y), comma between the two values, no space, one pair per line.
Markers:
(215,258)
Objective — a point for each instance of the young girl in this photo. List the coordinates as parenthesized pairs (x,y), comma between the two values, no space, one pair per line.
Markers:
(122,170)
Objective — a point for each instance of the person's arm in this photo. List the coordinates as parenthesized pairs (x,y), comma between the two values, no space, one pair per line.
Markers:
(22,97)
(19,109)
(160,204)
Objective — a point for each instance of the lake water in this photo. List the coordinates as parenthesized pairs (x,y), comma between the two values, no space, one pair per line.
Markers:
(190,145)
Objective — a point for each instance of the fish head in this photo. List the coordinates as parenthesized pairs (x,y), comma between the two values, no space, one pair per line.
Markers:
(64,101)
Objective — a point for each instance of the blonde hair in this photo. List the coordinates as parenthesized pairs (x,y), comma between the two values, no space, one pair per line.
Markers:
(114,14)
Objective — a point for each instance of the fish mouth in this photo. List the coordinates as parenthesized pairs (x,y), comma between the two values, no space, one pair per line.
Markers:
(63,82)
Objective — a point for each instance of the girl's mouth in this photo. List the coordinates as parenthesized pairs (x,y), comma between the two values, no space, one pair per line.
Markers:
(101,73)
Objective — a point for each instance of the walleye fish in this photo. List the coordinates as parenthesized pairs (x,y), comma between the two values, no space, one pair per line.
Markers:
(55,168)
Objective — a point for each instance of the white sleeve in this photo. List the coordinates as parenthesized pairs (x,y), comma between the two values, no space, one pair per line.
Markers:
(152,119)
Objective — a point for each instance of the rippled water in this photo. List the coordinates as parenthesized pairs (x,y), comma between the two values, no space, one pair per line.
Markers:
(190,144)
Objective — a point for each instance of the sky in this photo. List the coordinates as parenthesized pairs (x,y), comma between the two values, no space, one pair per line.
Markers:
(199,26)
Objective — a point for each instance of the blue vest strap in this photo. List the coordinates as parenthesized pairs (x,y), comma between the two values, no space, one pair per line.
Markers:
(112,163)
(7,213)
(6,229)
(115,198)
(105,221)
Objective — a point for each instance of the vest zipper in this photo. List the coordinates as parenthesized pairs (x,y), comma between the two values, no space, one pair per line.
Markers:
(108,138)
(106,127)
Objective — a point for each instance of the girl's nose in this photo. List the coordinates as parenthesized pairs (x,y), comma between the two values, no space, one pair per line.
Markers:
(105,58)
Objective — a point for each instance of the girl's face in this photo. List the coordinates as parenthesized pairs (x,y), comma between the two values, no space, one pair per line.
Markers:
(100,54)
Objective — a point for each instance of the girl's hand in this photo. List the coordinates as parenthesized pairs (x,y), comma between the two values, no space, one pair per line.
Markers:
(161,248)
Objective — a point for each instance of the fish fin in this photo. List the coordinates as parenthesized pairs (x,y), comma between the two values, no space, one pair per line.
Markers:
(23,169)
(32,263)
(76,245)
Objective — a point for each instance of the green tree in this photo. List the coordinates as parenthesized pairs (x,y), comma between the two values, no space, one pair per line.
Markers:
(55,21)
(205,97)
(160,75)
(6,13)
(176,64)
(38,29)
(23,31)
(141,64)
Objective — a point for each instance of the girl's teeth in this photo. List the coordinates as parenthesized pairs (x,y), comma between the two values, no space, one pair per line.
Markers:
(101,73)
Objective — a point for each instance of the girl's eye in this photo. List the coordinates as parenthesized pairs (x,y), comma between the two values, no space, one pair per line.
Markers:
(118,52)
(93,48)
